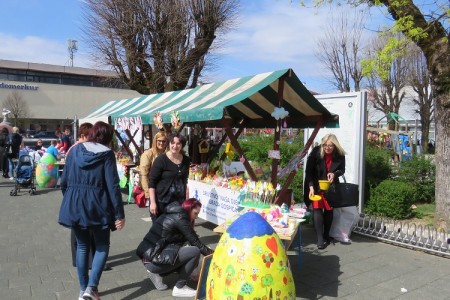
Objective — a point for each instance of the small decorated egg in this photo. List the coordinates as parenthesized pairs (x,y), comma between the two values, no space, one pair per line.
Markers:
(250,262)
(47,171)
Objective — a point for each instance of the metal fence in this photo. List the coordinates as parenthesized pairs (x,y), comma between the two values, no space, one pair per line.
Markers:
(407,234)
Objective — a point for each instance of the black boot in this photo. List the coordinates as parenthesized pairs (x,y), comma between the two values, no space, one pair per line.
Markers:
(327,221)
(318,226)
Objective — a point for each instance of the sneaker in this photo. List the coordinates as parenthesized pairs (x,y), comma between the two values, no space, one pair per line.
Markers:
(80,296)
(185,291)
(157,281)
(11,178)
(346,241)
(90,294)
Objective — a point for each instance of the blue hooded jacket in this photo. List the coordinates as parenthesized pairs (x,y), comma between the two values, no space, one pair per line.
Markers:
(90,187)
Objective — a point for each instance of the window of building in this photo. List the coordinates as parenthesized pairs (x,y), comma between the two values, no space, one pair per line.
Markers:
(60,78)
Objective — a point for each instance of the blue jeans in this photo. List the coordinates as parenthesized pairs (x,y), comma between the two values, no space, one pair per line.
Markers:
(101,238)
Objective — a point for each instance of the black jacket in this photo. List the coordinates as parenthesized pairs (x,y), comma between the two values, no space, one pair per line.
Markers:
(16,140)
(175,227)
(316,169)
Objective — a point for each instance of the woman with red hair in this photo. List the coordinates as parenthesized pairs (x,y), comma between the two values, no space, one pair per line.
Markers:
(175,226)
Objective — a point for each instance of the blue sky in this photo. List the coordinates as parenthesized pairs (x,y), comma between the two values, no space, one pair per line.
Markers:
(269,35)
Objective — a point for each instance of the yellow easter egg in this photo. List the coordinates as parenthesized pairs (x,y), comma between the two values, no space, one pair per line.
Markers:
(250,262)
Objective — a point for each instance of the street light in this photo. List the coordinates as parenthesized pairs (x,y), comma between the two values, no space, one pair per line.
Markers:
(72,47)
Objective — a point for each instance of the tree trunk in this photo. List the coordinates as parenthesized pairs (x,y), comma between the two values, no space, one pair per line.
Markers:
(442,160)
(425,135)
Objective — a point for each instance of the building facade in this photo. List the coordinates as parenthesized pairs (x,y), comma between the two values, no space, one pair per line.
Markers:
(56,95)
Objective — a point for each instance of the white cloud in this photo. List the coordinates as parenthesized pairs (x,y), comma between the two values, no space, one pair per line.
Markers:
(281,31)
(276,35)
(38,50)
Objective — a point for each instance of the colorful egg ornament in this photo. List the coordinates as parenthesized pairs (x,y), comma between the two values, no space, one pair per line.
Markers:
(250,262)
(47,171)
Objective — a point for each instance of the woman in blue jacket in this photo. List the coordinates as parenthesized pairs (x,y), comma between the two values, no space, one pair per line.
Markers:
(92,203)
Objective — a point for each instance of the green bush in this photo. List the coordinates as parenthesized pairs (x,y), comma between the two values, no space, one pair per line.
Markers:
(378,167)
(392,199)
(256,148)
(420,172)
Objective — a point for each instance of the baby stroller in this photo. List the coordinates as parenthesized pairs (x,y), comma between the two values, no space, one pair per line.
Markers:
(25,175)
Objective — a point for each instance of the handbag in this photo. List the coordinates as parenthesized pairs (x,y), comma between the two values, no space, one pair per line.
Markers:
(139,196)
(167,256)
(342,194)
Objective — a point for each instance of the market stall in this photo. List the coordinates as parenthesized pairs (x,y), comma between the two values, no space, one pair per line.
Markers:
(270,100)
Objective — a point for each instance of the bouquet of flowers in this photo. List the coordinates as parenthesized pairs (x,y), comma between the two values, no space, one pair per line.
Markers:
(175,120)
(158,120)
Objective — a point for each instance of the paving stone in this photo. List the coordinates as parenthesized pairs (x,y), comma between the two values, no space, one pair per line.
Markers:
(36,263)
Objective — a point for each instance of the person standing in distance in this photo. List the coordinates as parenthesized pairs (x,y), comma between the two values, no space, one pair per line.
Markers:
(325,162)
(66,143)
(169,176)
(4,133)
(92,203)
(159,146)
(15,141)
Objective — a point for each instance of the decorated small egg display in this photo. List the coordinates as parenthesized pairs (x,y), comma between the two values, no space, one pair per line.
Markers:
(250,262)
(47,171)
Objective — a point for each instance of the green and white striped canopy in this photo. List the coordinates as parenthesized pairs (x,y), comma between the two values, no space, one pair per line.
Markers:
(250,98)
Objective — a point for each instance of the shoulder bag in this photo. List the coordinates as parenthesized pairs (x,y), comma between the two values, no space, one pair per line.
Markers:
(342,194)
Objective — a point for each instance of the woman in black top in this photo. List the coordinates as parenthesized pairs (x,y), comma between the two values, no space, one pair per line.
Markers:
(325,162)
(38,146)
(3,148)
(15,144)
(169,176)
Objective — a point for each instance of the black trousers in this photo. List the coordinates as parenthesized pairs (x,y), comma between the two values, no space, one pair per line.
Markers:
(188,260)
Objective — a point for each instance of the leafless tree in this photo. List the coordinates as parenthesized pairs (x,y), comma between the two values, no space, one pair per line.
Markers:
(387,77)
(421,82)
(426,24)
(18,107)
(157,45)
(340,50)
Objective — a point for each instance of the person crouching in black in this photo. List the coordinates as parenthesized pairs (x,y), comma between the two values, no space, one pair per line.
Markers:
(175,226)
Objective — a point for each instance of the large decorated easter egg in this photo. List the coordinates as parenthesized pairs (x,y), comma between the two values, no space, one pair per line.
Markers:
(47,171)
(250,262)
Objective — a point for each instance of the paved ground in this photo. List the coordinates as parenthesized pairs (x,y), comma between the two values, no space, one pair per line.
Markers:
(35,260)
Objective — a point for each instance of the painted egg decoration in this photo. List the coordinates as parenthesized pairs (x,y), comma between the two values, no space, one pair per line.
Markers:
(250,262)
(47,171)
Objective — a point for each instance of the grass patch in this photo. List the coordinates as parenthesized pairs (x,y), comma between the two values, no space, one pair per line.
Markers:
(425,213)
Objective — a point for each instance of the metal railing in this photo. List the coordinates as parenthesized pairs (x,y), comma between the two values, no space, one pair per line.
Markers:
(402,233)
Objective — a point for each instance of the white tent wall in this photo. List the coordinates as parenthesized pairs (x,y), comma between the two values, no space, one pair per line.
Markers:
(352,111)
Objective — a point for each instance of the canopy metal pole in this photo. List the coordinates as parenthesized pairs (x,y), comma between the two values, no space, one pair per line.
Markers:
(276,138)
(75,128)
